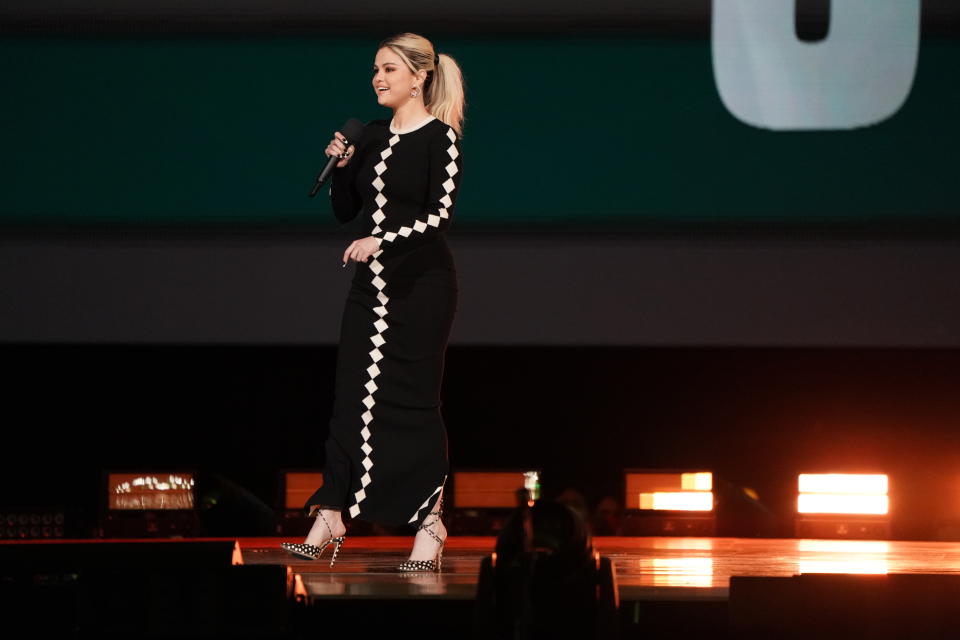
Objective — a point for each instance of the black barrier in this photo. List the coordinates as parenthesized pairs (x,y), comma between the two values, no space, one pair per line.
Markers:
(143,589)
(845,605)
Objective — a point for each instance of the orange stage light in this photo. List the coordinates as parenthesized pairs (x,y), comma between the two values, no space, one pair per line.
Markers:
(493,489)
(298,486)
(843,505)
(672,502)
(669,491)
(843,493)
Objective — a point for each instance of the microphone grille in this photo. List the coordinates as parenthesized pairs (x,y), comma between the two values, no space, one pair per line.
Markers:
(352,130)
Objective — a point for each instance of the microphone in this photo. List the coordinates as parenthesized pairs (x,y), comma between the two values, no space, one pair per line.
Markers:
(351,130)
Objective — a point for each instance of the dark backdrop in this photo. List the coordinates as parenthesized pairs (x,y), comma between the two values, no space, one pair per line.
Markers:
(757,417)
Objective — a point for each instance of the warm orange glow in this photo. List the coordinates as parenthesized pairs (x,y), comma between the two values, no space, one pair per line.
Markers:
(843,493)
(651,481)
(676,491)
(701,481)
(492,489)
(687,544)
(843,483)
(677,501)
(843,556)
(833,503)
(876,567)
(150,491)
(299,486)
(844,546)
(676,572)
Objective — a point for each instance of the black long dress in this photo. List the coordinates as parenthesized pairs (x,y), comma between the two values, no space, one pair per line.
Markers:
(386,455)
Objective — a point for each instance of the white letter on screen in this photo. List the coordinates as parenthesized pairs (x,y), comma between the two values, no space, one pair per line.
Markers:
(860,75)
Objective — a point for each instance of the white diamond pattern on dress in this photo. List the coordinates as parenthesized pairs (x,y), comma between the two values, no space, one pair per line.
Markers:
(380,325)
(423,506)
(433,220)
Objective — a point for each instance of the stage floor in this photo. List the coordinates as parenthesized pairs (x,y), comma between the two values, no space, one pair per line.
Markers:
(648,568)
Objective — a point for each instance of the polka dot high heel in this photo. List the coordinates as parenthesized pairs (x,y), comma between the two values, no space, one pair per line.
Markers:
(312,552)
(433,564)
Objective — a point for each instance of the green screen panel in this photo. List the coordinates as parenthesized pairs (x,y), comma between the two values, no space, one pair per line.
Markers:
(561,134)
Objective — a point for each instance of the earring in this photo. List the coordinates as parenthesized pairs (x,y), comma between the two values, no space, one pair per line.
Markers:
(415,92)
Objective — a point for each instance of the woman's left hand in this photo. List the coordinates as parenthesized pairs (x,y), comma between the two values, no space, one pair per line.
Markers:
(360,250)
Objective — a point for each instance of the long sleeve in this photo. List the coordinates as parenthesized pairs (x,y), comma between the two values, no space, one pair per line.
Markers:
(445,173)
(344,196)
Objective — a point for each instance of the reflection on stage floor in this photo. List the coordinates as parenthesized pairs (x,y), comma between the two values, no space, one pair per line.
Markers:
(648,568)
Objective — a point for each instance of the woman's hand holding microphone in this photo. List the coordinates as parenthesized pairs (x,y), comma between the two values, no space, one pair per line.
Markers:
(359,250)
(338,147)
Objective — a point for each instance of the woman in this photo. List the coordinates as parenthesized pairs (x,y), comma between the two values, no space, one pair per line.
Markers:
(386,456)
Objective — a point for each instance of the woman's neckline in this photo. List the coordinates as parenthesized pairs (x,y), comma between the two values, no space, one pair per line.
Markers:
(413,128)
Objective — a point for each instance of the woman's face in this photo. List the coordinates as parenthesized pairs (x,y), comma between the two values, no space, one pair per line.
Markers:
(392,80)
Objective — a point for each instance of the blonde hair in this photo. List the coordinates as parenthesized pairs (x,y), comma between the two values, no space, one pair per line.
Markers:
(443,93)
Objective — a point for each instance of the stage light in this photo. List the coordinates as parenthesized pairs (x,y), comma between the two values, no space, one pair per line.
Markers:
(844,505)
(149,503)
(482,500)
(662,502)
(677,500)
(151,491)
(493,489)
(296,487)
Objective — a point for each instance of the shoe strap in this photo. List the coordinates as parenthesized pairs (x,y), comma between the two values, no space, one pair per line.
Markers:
(424,525)
(320,513)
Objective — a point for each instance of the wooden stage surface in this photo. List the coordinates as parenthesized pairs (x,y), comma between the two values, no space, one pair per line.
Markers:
(648,568)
